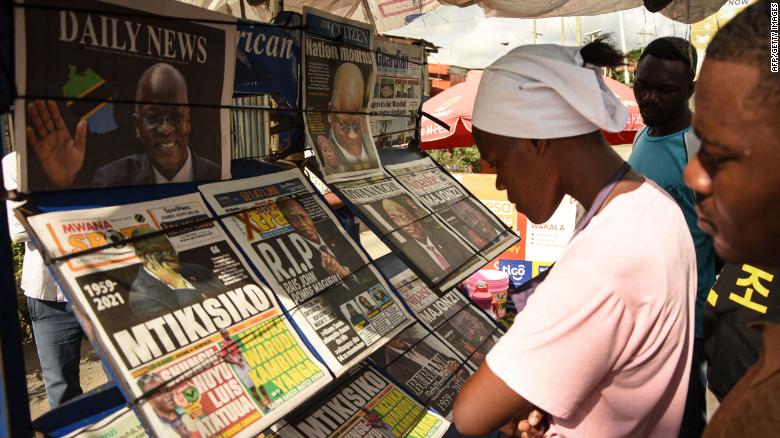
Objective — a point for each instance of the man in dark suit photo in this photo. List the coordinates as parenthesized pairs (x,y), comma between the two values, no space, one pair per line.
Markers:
(473,224)
(163,283)
(425,242)
(335,254)
(163,131)
(407,355)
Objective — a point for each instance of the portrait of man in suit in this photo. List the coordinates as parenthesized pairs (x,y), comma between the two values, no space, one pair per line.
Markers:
(162,129)
(407,354)
(424,241)
(163,283)
(473,224)
(348,135)
(335,253)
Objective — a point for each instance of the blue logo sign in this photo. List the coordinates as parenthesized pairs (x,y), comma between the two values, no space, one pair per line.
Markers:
(519,271)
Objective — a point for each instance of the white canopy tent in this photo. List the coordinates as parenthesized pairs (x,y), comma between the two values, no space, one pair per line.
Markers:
(684,11)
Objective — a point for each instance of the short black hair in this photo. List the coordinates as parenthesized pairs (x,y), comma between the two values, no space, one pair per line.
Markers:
(673,49)
(745,40)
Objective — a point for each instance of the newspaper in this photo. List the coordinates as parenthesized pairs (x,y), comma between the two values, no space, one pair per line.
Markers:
(438,191)
(120,424)
(180,307)
(367,405)
(82,69)
(430,247)
(268,60)
(462,327)
(424,366)
(340,301)
(396,91)
(338,79)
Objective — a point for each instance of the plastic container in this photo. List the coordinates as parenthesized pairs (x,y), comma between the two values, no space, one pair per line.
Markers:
(482,296)
(493,282)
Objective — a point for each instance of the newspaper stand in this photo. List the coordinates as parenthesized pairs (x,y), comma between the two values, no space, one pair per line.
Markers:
(102,402)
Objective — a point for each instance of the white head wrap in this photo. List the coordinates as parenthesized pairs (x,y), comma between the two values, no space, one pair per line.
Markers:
(545,91)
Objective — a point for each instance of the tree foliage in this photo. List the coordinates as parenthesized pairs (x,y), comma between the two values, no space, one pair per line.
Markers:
(463,160)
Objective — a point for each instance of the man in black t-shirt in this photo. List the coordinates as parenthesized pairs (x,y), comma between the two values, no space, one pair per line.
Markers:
(742,294)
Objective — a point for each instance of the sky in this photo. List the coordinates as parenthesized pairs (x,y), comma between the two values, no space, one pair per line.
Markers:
(468,39)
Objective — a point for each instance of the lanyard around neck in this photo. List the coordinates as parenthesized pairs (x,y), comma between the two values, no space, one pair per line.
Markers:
(531,285)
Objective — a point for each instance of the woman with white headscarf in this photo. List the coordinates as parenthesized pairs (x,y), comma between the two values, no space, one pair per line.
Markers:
(603,345)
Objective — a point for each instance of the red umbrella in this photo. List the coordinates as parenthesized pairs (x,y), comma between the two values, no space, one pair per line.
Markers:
(454,106)
(634,123)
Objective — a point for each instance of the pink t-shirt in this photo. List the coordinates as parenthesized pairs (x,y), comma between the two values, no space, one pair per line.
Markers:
(604,345)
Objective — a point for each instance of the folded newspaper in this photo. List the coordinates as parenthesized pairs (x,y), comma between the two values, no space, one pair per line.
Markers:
(425,367)
(464,328)
(366,405)
(326,282)
(466,215)
(187,329)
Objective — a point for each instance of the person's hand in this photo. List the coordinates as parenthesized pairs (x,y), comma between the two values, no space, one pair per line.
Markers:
(60,154)
(534,426)
(323,141)
(163,272)
(333,266)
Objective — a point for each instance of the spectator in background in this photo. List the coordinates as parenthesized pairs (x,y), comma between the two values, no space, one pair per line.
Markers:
(57,332)
(664,84)
(737,182)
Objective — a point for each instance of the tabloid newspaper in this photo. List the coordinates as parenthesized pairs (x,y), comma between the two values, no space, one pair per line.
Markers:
(366,405)
(463,327)
(338,79)
(176,311)
(438,191)
(396,91)
(432,249)
(424,366)
(93,73)
(340,300)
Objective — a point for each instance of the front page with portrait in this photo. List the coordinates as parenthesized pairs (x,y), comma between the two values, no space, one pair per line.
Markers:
(321,276)
(179,317)
(469,332)
(437,253)
(117,93)
(466,215)
(339,72)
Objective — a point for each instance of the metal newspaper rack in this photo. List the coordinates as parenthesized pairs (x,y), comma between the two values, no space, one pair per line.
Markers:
(97,404)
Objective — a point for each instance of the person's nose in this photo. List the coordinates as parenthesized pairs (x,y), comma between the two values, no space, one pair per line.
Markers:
(165,127)
(353,134)
(649,97)
(697,178)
